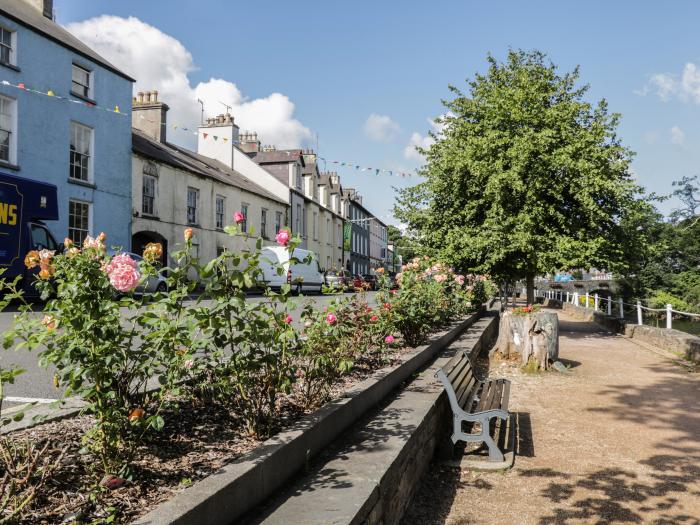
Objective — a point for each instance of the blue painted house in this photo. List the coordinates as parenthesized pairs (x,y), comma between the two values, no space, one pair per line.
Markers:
(72,132)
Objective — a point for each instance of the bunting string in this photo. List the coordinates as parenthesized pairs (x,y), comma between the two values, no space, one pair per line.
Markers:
(206,135)
(358,167)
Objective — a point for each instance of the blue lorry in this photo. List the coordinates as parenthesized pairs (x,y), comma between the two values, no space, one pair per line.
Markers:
(24,204)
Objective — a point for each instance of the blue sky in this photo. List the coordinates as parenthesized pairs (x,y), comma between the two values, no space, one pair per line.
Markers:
(339,63)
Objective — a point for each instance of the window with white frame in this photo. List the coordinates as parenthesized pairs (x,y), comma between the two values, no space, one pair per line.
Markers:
(244,224)
(278,221)
(192,198)
(303,223)
(148,195)
(80,152)
(315,226)
(297,221)
(329,232)
(340,235)
(78,221)
(81,82)
(263,223)
(220,212)
(8,133)
(8,46)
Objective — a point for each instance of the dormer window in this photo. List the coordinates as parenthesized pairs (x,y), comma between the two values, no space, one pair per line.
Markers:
(81,84)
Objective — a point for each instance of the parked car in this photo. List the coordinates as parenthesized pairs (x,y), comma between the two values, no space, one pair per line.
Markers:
(340,279)
(358,283)
(371,281)
(154,283)
(304,275)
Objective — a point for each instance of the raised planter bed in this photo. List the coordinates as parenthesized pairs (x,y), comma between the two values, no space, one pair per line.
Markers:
(243,484)
(190,450)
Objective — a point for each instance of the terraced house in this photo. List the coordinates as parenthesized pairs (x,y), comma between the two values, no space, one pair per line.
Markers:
(316,207)
(176,188)
(60,121)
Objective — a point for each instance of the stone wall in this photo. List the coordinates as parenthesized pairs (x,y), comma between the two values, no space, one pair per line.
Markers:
(400,481)
(675,341)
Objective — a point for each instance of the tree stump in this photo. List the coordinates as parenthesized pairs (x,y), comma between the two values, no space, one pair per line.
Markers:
(534,335)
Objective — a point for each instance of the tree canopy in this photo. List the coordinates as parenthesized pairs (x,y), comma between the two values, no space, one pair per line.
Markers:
(525,177)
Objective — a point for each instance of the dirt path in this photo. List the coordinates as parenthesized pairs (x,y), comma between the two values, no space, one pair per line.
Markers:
(615,441)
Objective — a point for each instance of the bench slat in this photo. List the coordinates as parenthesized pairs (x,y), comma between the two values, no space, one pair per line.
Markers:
(492,397)
(505,395)
(473,397)
(466,389)
(462,367)
(457,361)
(461,380)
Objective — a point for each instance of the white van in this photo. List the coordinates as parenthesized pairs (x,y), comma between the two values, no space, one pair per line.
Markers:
(303,276)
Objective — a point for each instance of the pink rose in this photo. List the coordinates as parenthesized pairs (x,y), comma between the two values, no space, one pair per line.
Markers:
(459,279)
(389,339)
(123,272)
(189,364)
(288,319)
(441,277)
(238,217)
(282,237)
(374,318)
(331,319)
(124,278)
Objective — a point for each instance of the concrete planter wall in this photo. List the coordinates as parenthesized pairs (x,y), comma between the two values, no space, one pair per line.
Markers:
(672,340)
(224,497)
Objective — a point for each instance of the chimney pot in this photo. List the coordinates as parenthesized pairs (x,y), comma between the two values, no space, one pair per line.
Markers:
(155,95)
(140,96)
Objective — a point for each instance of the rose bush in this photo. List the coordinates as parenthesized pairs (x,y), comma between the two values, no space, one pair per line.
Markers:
(429,295)
(334,340)
(109,346)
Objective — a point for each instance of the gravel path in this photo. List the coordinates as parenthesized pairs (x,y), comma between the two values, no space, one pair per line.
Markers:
(615,441)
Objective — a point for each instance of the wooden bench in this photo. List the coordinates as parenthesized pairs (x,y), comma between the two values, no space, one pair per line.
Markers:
(474,401)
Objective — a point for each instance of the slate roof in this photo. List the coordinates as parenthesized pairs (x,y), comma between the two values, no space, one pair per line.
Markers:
(277,156)
(188,160)
(29,16)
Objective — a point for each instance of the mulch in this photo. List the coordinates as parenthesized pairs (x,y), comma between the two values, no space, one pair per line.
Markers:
(199,438)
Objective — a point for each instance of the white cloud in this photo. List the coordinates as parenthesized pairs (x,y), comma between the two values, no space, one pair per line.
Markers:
(417,140)
(686,86)
(158,61)
(690,83)
(663,84)
(677,135)
(381,128)
(422,141)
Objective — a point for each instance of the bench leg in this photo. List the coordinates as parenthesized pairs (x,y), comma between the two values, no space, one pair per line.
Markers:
(494,453)
(484,436)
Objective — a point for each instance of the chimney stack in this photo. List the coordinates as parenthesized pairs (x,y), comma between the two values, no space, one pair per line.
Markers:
(249,142)
(45,7)
(150,116)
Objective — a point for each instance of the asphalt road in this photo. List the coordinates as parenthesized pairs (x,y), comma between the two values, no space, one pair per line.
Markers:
(36,383)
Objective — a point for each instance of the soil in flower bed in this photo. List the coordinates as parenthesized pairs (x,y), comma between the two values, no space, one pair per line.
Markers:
(197,440)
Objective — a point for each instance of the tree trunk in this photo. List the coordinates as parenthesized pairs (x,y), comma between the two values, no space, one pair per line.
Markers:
(533,335)
(530,283)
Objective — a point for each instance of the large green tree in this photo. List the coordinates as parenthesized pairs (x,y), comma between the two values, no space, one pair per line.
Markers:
(525,177)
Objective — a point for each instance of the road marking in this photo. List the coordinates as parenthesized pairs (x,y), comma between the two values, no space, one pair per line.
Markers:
(39,400)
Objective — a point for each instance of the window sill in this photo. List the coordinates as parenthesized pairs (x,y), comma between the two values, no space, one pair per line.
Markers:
(82,183)
(10,66)
(81,97)
(149,217)
(9,165)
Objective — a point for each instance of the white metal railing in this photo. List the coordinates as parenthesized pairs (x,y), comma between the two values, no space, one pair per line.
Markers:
(577,299)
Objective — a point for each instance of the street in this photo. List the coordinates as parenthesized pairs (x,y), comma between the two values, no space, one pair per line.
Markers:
(36,383)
